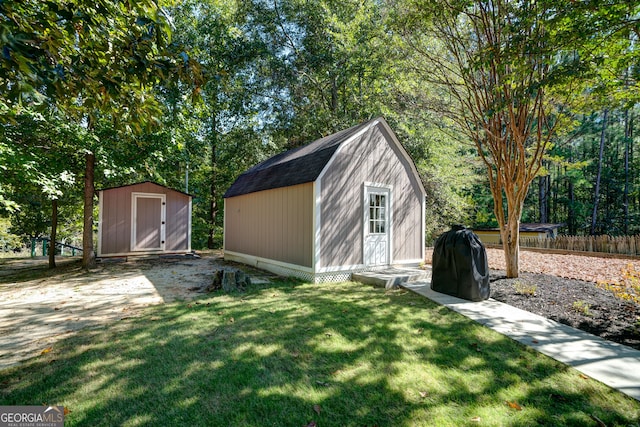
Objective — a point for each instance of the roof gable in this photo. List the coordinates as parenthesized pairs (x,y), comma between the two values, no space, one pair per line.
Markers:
(145,182)
(297,166)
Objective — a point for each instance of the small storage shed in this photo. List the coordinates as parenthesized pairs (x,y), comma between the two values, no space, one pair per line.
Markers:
(345,203)
(491,236)
(143,218)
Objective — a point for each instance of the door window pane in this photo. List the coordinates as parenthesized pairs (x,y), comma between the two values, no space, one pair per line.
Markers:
(377,213)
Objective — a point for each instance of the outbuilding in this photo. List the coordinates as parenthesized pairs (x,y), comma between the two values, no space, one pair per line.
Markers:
(491,236)
(143,218)
(346,203)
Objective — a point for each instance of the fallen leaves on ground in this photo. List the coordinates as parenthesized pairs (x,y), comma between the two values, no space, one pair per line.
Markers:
(475,419)
(580,267)
(514,405)
(317,409)
(46,350)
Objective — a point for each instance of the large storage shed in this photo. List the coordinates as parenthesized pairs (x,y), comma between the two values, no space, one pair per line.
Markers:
(143,218)
(345,203)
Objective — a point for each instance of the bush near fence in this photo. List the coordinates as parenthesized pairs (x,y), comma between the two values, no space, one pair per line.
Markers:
(623,245)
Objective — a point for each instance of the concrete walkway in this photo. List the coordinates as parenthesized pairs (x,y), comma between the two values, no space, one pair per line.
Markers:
(615,365)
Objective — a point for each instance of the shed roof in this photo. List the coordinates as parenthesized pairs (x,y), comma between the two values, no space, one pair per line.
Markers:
(145,182)
(530,227)
(297,166)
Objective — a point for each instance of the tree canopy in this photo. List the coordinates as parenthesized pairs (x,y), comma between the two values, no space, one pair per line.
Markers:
(491,98)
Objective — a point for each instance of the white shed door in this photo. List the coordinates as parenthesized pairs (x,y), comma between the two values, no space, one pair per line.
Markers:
(376,226)
(148,222)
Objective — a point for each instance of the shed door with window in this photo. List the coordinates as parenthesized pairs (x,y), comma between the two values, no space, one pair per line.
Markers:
(148,221)
(376,233)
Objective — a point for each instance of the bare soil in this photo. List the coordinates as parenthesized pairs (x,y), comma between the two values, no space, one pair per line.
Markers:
(40,306)
(564,288)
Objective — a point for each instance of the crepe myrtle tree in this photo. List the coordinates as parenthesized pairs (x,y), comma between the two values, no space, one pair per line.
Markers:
(492,60)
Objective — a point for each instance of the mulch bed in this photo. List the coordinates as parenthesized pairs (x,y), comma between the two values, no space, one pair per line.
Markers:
(576,303)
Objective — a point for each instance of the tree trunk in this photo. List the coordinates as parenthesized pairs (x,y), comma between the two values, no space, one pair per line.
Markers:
(54,232)
(543,198)
(571,217)
(625,195)
(213,205)
(511,246)
(88,256)
(509,222)
(571,213)
(510,234)
(596,191)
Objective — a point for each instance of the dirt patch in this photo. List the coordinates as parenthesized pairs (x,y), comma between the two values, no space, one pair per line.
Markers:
(39,307)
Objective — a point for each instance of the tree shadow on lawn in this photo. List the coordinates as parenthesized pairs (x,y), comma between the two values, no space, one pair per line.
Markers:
(267,357)
(27,269)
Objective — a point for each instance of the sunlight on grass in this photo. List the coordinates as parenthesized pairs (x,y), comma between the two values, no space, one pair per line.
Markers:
(289,353)
(139,420)
(255,350)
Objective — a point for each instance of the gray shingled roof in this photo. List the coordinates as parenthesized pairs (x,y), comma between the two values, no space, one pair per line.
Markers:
(297,166)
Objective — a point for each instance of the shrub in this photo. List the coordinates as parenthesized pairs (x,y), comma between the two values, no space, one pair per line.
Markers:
(525,289)
(582,307)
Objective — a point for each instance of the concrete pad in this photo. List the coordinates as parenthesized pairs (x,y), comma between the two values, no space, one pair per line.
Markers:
(390,278)
(613,364)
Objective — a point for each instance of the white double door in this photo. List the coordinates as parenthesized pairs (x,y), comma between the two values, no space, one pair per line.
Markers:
(377,231)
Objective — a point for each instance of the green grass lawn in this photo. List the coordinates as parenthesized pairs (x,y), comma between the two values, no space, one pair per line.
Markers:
(289,354)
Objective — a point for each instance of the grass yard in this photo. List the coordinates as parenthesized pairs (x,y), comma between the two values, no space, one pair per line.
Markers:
(291,354)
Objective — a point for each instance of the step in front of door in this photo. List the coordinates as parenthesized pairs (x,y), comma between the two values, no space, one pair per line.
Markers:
(391,278)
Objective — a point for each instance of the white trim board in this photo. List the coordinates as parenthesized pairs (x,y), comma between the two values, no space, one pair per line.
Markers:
(387,188)
(158,252)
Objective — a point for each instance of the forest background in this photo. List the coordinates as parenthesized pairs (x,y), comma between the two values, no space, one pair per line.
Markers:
(189,94)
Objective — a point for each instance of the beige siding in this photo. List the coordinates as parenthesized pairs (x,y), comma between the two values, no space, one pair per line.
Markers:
(177,231)
(116,218)
(116,221)
(371,158)
(273,224)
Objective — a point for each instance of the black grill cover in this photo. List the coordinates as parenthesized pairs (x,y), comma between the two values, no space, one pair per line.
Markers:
(459,265)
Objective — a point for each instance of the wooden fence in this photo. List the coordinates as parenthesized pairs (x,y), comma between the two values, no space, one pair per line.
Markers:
(623,245)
